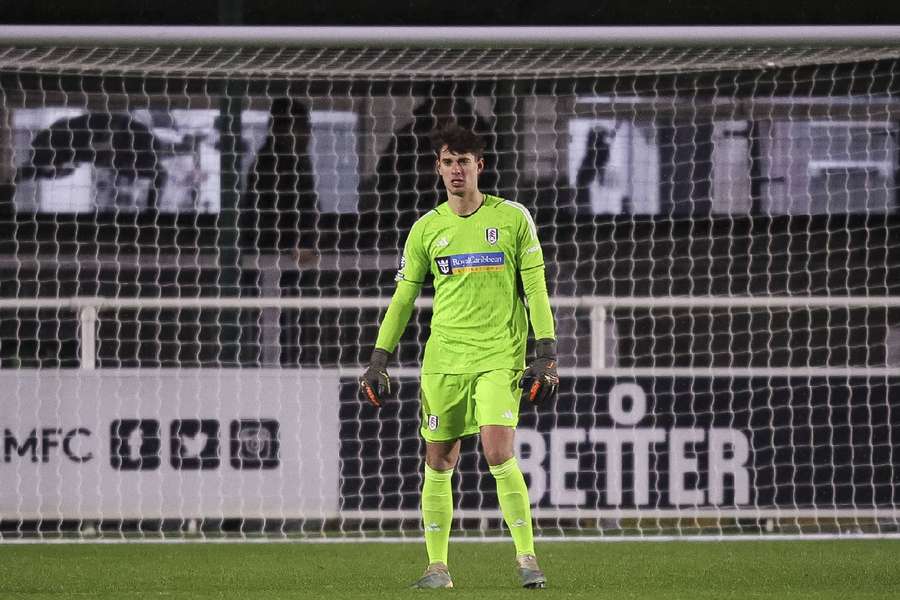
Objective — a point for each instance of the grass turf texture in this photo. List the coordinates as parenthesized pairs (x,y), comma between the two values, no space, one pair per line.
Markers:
(845,569)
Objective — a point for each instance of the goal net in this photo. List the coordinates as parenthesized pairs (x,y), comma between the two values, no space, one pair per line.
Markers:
(199,234)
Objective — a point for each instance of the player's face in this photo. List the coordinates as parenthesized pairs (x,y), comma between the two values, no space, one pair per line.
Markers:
(459,171)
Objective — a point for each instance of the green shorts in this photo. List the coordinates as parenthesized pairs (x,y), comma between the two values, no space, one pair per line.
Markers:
(455,406)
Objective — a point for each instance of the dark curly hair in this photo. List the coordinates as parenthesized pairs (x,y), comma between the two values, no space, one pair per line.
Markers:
(457,139)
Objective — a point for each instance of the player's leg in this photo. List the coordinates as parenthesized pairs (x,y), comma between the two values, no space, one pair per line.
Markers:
(444,408)
(437,498)
(497,408)
(437,511)
(497,442)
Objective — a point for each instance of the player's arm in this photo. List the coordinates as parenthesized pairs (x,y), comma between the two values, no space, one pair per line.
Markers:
(375,383)
(541,379)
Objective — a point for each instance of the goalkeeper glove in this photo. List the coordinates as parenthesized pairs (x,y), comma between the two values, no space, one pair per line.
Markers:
(375,383)
(540,380)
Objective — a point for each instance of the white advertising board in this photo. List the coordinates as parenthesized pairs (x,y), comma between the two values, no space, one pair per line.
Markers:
(168,444)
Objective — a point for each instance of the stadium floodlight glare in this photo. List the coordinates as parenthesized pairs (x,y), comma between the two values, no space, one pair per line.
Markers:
(187,299)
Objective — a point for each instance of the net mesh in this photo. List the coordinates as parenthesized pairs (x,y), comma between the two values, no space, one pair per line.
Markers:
(197,244)
(423,63)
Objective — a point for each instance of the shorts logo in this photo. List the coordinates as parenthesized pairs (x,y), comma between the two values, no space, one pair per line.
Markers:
(432,422)
(492,234)
(470,263)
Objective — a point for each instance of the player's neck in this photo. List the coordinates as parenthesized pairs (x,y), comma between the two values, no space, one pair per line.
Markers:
(466,204)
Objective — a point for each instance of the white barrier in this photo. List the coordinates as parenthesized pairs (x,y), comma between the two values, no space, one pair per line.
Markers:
(117,445)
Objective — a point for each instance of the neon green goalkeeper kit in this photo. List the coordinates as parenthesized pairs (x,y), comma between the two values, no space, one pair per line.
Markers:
(479,320)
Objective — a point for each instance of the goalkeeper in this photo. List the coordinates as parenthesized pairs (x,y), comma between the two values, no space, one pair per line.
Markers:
(482,252)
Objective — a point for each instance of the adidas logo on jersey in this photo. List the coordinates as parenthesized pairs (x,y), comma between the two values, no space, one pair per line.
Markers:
(442,243)
(508,415)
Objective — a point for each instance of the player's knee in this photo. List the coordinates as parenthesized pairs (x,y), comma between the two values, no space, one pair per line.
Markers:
(497,444)
(497,456)
(440,463)
(441,456)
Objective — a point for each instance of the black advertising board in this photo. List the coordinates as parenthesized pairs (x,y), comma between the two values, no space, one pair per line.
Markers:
(660,442)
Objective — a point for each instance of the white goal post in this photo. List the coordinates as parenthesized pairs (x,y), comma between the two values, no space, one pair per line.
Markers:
(199,229)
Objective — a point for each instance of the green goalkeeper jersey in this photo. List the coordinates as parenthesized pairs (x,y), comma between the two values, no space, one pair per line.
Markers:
(479,320)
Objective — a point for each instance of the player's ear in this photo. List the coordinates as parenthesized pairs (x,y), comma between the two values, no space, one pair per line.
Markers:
(480,165)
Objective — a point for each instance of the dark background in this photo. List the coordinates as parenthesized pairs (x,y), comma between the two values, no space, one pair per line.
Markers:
(427,12)
(750,255)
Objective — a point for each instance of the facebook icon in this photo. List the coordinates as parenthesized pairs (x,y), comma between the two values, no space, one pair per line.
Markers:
(134,444)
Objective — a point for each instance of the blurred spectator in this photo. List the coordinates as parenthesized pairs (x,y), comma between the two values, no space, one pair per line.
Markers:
(593,168)
(123,152)
(279,210)
(279,213)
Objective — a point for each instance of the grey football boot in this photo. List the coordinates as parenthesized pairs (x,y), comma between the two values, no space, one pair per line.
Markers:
(530,574)
(436,576)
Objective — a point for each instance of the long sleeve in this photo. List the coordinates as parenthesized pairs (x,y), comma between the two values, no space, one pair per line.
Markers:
(534,281)
(398,314)
(535,284)
(410,277)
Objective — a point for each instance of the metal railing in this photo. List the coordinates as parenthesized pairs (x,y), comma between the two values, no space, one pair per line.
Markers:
(598,307)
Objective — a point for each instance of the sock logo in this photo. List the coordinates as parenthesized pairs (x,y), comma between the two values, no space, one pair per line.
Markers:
(432,422)
(518,523)
(432,527)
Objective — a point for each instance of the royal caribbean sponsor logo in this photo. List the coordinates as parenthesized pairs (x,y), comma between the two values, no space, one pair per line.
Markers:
(470,263)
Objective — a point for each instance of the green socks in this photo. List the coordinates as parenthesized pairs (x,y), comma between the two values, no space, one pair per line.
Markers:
(437,513)
(513,495)
(437,509)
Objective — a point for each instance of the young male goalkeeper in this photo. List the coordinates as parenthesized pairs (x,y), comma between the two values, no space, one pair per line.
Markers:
(482,252)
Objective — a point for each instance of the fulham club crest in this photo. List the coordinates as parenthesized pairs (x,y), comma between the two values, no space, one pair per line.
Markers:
(492,234)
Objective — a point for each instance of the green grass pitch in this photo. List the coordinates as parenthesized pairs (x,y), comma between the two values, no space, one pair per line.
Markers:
(840,569)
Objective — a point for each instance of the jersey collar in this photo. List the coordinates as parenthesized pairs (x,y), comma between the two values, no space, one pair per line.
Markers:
(445,207)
